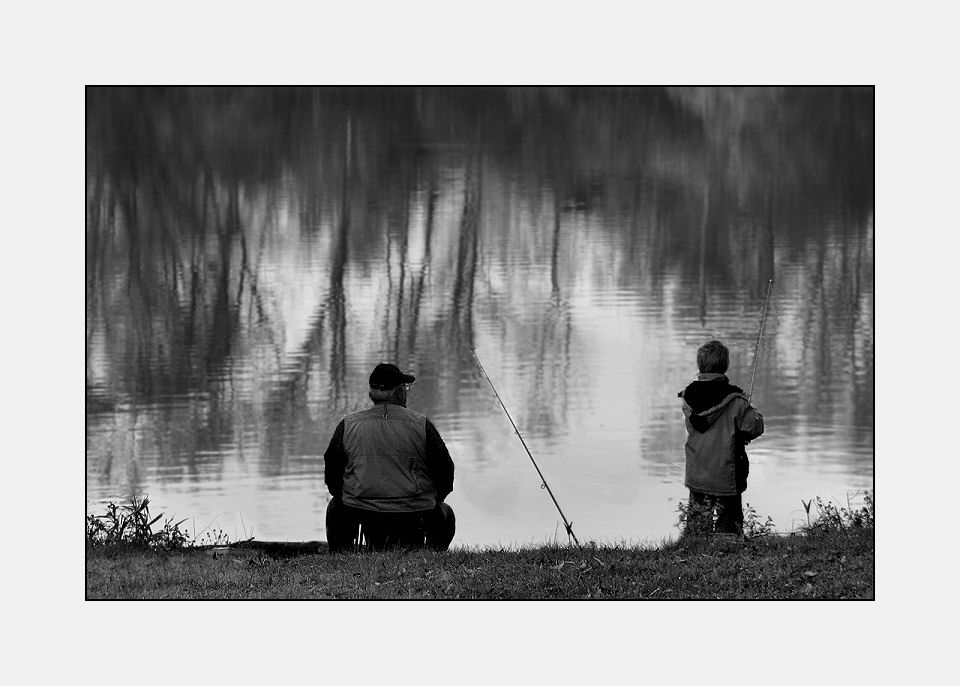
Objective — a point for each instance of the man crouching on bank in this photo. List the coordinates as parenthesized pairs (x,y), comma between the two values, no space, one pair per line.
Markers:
(388,471)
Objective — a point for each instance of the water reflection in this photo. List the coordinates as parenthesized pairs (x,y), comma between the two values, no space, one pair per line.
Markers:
(252,253)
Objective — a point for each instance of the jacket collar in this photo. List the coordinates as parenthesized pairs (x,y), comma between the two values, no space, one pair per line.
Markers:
(388,397)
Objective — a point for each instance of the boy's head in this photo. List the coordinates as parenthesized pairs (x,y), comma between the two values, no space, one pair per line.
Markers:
(713,358)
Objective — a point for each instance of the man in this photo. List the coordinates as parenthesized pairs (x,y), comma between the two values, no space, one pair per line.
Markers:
(388,471)
(720,422)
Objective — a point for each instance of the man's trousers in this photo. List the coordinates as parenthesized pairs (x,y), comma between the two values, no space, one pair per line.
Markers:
(382,530)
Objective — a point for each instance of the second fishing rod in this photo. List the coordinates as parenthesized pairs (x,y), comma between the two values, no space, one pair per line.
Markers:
(756,353)
(566,524)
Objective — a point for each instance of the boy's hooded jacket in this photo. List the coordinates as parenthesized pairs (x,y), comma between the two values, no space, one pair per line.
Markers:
(720,421)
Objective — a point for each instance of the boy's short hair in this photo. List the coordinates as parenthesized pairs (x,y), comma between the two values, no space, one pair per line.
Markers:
(713,358)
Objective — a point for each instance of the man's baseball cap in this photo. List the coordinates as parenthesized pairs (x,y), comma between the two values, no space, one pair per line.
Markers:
(386,376)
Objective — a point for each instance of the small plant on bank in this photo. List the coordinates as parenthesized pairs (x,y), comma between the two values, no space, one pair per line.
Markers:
(131,524)
(753,527)
(831,517)
(695,519)
(212,537)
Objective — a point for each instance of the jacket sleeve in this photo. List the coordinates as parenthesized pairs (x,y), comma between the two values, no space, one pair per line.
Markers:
(439,463)
(335,462)
(751,424)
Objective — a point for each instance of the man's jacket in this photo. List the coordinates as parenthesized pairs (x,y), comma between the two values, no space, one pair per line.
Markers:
(719,421)
(388,459)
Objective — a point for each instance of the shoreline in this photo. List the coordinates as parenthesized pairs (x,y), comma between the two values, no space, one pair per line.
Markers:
(811,565)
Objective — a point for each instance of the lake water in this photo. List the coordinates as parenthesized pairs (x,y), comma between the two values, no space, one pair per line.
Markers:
(253,253)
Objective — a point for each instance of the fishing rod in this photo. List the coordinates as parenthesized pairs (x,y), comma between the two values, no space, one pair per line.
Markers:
(756,354)
(567,525)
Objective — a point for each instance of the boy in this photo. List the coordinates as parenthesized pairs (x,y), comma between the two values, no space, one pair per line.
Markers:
(720,422)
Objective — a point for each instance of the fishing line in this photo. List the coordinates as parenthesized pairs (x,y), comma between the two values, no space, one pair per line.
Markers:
(756,354)
(567,525)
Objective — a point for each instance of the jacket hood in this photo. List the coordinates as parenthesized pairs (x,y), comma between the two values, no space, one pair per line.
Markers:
(705,399)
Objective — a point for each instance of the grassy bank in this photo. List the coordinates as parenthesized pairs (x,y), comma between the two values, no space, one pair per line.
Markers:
(834,564)
(131,554)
